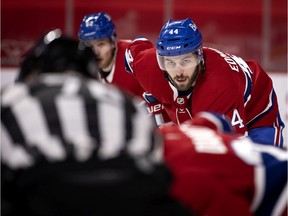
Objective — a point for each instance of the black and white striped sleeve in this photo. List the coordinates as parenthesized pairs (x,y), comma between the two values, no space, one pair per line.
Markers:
(74,119)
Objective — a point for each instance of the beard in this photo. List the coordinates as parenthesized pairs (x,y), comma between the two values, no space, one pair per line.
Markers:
(183,83)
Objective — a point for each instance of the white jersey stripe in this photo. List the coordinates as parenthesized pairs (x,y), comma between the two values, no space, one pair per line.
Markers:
(267,107)
(138,144)
(281,203)
(72,109)
(111,118)
(14,94)
(259,179)
(34,128)
(15,155)
(112,129)
(277,137)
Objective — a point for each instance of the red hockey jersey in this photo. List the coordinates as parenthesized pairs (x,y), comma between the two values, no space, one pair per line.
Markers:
(119,76)
(217,174)
(239,89)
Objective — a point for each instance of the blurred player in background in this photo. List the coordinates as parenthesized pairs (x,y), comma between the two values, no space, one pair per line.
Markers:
(99,32)
(216,173)
(193,78)
(73,146)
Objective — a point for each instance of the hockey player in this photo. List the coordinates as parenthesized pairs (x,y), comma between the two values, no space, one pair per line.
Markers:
(216,173)
(98,31)
(194,78)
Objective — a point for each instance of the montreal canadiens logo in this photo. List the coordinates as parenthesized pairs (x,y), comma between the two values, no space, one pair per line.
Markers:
(180,101)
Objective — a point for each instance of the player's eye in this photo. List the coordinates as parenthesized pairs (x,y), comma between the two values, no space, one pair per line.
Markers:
(100,45)
(186,60)
(170,63)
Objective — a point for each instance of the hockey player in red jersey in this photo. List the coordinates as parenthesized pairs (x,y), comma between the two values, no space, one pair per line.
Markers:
(204,79)
(218,173)
(98,31)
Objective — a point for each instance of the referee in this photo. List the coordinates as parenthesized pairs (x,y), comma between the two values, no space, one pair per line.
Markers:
(73,146)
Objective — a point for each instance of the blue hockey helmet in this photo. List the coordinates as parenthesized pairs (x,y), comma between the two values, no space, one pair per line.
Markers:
(179,37)
(97,26)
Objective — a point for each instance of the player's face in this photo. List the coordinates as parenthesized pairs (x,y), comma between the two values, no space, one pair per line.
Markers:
(182,70)
(104,50)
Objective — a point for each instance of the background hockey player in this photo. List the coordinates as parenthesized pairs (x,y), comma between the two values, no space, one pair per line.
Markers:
(98,31)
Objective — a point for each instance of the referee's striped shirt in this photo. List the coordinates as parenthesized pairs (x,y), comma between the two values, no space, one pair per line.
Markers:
(64,116)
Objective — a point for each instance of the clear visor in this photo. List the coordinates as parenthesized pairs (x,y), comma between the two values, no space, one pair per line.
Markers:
(84,43)
(89,43)
(190,59)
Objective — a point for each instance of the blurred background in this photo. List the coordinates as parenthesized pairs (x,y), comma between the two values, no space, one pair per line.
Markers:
(254,29)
